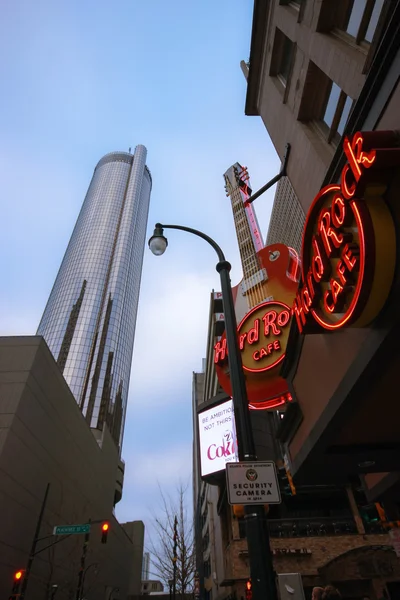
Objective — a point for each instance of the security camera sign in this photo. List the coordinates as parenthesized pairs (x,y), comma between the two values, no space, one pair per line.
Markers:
(252,483)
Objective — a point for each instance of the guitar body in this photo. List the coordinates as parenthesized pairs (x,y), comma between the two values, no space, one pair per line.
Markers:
(270,274)
(282,267)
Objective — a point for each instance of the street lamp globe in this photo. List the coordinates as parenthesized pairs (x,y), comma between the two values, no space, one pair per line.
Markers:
(158,242)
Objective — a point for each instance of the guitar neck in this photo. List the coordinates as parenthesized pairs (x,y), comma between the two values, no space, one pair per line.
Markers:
(248,252)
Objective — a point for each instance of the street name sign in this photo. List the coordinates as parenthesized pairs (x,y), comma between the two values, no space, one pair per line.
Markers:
(71,529)
(252,483)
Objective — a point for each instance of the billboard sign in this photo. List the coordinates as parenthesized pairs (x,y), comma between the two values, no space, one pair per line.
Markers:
(217,438)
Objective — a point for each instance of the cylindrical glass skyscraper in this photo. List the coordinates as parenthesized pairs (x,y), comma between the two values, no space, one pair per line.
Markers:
(90,318)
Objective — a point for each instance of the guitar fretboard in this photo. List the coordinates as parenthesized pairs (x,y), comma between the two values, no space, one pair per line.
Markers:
(253,276)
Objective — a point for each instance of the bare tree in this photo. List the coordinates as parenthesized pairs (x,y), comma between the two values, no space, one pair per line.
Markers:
(161,543)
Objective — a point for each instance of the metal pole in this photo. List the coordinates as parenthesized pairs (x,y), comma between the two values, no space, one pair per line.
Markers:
(282,173)
(84,576)
(174,583)
(34,542)
(82,569)
(260,556)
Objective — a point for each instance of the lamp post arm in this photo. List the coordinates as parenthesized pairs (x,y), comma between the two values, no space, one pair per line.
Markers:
(200,234)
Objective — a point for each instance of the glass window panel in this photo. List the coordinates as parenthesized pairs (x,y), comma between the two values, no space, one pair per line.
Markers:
(355,17)
(374,20)
(345,115)
(331,104)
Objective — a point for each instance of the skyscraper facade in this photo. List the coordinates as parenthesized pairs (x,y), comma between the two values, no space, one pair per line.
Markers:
(287,217)
(90,318)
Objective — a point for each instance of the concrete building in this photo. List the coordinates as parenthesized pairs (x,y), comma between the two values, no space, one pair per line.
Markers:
(321,72)
(90,318)
(308,64)
(46,440)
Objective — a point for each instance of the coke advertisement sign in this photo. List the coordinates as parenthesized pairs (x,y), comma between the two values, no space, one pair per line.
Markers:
(217,437)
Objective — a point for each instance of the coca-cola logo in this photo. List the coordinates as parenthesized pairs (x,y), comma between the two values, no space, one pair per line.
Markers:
(226,449)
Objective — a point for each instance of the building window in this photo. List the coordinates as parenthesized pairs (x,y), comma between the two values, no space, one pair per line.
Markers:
(362,18)
(357,19)
(282,58)
(296,4)
(336,113)
(324,103)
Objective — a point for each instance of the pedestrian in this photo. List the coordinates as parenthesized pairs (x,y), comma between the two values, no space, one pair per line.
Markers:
(317,593)
(331,593)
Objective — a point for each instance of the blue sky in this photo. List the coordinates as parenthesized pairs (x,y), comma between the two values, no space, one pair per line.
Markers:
(80,79)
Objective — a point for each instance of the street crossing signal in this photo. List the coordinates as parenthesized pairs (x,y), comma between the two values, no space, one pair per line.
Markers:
(249,590)
(104,532)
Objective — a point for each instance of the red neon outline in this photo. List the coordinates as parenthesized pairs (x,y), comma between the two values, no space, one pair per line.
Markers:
(364,157)
(350,310)
(323,192)
(333,213)
(272,402)
(258,307)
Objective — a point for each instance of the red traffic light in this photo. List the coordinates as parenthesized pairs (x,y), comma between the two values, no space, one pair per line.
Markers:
(18,577)
(249,590)
(104,532)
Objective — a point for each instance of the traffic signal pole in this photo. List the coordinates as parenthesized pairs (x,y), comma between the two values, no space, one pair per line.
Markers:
(83,560)
(34,543)
(175,557)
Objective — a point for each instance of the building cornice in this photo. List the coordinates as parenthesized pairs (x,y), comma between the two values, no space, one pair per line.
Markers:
(258,35)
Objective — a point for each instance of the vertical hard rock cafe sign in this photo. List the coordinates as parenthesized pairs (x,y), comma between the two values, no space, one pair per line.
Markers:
(349,242)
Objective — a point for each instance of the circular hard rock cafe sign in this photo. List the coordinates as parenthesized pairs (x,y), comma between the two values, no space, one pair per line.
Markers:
(262,337)
(349,243)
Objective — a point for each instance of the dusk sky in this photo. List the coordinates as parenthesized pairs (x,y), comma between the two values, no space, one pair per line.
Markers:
(79,80)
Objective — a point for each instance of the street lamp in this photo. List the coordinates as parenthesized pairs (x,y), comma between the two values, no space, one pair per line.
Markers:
(114,589)
(95,565)
(260,557)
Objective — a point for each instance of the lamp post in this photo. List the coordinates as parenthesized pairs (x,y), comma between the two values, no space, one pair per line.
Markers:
(260,557)
(82,590)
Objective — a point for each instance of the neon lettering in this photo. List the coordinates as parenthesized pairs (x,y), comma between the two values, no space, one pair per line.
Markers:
(338,211)
(328,233)
(283,318)
(269,322)
(220,351)
(349,256)
(252,336)
(318,265)
(331,238)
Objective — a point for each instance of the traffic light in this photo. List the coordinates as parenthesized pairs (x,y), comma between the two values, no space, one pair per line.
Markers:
(249,590)
(104,532)
(18,578)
